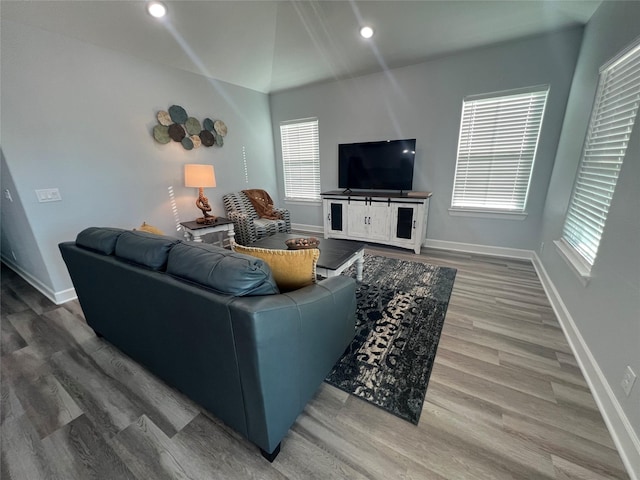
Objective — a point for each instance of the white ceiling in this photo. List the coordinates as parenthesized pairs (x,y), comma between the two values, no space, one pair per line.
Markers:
(270,46)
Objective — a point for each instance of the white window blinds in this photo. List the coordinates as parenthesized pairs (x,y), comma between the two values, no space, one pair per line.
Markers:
(301,159)
(612,119)
(496,149)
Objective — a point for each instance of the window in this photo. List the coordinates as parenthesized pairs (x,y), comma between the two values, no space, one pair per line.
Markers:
(301,159)
(612,119)
(496,149)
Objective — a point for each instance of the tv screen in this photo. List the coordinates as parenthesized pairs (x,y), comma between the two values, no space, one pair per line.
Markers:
(386,165)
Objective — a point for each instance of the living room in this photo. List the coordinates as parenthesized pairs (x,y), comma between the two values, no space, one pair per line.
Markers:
(78,117)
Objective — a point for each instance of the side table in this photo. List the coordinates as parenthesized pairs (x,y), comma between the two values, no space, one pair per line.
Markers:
(195,231)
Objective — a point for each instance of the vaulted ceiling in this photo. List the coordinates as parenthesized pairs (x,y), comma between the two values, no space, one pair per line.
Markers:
(270,46)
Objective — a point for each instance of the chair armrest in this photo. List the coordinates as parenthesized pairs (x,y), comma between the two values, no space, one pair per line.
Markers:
(286,216)
(238,217)
(244,227)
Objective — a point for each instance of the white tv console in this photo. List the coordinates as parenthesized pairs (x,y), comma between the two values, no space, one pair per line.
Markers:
(393,219)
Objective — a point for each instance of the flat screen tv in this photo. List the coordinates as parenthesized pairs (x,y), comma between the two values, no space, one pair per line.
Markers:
(386,165)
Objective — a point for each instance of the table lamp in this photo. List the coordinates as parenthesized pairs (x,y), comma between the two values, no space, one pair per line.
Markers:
(201,176)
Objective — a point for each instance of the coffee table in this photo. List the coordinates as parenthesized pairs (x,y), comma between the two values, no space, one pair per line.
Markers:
(335,255)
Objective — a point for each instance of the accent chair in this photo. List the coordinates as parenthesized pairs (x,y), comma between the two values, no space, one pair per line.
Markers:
(248,226)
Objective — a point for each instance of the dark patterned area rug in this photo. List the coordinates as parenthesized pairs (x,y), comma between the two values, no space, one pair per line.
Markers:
(401,307)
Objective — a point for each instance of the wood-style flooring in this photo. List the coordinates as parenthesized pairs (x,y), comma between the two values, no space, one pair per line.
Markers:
(506,400)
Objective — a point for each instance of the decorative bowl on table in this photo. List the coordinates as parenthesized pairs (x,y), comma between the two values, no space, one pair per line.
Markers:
(302,243)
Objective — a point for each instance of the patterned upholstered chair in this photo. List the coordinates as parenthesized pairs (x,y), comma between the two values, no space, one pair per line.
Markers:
(248,226)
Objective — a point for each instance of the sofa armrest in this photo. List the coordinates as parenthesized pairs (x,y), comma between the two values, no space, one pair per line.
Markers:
(286,345)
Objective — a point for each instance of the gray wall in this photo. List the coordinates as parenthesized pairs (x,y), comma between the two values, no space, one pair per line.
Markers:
(19,246)
(607,310)
(79,117)
(424,102)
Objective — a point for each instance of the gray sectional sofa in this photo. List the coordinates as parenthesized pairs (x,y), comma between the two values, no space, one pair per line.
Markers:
(212,324)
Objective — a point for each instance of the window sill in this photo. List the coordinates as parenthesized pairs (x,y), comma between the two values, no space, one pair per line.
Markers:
(497,214)
(297,201)
(574,260)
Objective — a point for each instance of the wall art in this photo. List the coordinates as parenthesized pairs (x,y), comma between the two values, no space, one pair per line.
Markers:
(176,125)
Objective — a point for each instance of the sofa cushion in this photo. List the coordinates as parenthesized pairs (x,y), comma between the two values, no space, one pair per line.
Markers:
(145,248)
(100,239)
(292,269)
(223,271)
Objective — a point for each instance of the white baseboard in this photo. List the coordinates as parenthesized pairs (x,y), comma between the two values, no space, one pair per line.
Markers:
(307,228)
(480,249)
(620,428)
(65,296)
(56,297)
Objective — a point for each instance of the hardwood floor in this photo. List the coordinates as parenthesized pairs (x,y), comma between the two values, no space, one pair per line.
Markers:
(506,400)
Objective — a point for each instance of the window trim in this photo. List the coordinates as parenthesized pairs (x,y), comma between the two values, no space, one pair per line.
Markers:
(484,213)
(574,260)
(580,264)
(316,163)
(291,201)
(465,141)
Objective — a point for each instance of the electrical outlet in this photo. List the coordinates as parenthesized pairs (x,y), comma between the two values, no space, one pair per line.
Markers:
(627,380)
(48,195)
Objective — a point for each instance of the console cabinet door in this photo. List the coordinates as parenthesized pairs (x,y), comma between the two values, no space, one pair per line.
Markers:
(408,225)
(369,221)
(335,217)
(405,224)
(378,219)
(358,215)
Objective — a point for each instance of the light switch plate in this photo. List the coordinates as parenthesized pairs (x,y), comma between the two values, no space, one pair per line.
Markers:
(628,380)
(48,195)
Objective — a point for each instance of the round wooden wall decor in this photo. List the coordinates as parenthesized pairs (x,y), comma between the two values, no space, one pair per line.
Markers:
(164,118)
(192,126)
(176,132)
(178,114)
(196,141)
(161,134)
(187,143)
(220,127)
(207,138)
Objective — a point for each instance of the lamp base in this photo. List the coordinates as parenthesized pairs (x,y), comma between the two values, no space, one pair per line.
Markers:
(208,220)
(203,204)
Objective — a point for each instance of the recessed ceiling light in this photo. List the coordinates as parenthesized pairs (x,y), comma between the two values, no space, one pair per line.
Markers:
(366,32)
(156,9)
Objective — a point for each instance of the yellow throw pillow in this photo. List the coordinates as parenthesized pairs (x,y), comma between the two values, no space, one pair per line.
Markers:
(145,227)
(292,269)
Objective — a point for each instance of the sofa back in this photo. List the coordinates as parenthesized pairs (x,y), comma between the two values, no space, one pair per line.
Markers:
(204,265)
(157,300)
(253,360)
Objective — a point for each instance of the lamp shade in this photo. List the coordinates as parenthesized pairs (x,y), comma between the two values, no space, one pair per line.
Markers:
(199,176)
